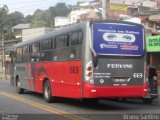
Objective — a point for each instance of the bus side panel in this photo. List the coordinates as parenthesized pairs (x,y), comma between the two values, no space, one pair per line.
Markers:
(23,71)
(68,82)
(65,78)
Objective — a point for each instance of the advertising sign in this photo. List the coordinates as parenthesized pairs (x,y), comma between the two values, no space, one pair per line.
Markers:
(153,44)
(118,39)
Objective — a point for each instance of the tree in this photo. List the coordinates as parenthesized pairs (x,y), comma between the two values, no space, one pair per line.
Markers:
(11,20)
(60,9)
(3,14)
(45,18)
(14,18)
(8,34)
(41,18)
(28,18)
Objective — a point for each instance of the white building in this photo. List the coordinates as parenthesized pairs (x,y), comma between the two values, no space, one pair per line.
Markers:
(61,21)
(75,15)
(86,10)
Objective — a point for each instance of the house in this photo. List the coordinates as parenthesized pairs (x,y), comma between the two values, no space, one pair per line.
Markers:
(8,45)
(144,3)
(18,30)
(85,11)
(34,32)
(61,21)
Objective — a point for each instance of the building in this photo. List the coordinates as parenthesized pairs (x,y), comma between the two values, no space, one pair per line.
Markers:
(61,21)
(144,3)
(8,45)
(34,32)
(18,30)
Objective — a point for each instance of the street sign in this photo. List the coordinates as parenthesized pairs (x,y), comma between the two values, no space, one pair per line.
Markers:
(153,44)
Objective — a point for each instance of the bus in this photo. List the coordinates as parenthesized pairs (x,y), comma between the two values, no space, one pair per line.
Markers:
(90,60)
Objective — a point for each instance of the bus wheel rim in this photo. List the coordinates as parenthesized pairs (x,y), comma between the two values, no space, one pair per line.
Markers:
(18,84)
(47,92)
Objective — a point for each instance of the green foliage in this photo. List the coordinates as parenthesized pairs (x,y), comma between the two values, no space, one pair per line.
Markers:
(3,13)
(28,18)
(40,18)
(45,18)
(13,19)
(8,34)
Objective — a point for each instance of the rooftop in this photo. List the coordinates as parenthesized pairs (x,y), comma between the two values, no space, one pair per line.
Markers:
(22,26)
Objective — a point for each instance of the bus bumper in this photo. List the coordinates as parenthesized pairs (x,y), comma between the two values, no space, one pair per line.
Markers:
(92,91)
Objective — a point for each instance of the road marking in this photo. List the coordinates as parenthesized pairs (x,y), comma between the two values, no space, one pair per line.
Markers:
(44,107)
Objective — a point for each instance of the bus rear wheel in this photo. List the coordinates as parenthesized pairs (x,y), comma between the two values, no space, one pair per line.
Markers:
(18,86)
(47,92)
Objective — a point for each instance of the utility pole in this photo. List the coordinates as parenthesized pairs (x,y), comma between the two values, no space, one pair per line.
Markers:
(3,53)
(104,9)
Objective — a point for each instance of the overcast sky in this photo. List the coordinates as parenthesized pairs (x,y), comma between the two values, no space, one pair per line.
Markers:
(29,6)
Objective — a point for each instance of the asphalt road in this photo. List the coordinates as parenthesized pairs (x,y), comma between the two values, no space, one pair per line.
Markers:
(32,106)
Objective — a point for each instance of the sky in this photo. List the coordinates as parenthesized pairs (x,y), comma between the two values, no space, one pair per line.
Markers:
(29,6)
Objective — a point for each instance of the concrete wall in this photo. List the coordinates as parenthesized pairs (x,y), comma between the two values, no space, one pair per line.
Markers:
(34,32)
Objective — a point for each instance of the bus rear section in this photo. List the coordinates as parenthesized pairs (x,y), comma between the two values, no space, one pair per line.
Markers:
(116,66)
(116,77)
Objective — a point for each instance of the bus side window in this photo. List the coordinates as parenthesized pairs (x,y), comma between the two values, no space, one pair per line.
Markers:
(61,41)
(46,45)
(19,55)
(76,38)
(26,55)
(53,43)
(35,47)
(80,37)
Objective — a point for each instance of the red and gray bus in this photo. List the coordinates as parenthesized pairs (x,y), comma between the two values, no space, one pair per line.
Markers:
(89,60)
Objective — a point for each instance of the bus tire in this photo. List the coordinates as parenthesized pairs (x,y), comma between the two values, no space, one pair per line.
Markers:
(47,92)
(147,100)
(18,86)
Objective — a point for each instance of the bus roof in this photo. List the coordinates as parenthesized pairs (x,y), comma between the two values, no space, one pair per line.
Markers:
(52,33)
(68,29)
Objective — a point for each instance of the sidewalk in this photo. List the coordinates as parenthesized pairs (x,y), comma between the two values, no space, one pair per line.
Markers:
(7,77)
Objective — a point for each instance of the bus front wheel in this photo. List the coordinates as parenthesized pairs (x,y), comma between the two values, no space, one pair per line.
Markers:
(47,92)
(18,86)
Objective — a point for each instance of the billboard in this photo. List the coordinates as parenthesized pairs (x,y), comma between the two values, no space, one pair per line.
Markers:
(153,44)
(118,39)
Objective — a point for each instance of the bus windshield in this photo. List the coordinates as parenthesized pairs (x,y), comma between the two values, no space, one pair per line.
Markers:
(120,39)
